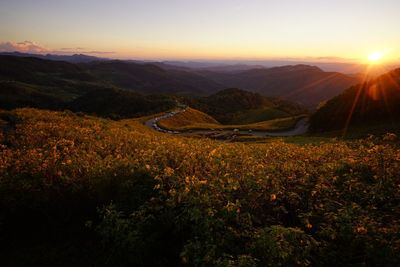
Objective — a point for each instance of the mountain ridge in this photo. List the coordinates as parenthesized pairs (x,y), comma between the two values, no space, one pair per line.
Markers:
(370,103)
(308,85)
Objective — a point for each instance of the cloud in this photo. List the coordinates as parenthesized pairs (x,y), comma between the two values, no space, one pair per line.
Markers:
(333,58)
(72,48)
(25,47)
(99,52)
(34,48)
(323,59)
(71,51)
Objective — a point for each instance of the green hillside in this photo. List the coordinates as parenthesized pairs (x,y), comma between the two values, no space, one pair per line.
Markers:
(122,89)
(117,103)
(235,106)
(39,83)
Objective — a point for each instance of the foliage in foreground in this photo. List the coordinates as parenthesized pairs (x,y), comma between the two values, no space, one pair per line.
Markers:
(153,199)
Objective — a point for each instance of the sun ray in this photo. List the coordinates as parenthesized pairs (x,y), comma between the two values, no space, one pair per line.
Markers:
(364,82)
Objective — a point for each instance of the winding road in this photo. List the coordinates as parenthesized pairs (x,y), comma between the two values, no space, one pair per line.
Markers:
(300,128)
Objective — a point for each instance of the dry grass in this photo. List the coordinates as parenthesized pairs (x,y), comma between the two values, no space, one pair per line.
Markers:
(187,118)
(175,123)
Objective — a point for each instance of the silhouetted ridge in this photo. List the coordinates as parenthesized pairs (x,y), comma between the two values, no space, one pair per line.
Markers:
(371,103)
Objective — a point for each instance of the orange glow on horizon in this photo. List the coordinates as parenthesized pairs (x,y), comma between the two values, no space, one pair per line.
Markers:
(375,57)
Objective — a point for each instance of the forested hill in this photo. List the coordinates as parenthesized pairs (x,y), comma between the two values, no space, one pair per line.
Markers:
(370,104)
(239,106)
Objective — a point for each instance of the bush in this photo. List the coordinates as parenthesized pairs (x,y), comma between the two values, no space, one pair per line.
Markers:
(163,200)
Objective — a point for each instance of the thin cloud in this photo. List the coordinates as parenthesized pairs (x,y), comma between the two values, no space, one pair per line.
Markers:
(25,47)
(332,58)
(72,48)
(73,51)
(99,52)
(34,48)
(326,59)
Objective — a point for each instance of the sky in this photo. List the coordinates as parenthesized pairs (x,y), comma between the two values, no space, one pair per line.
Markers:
(337,30)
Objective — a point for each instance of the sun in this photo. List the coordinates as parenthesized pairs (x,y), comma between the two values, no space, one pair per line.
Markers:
(375,57)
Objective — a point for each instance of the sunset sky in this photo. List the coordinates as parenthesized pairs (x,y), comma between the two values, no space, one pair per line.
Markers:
(206,29)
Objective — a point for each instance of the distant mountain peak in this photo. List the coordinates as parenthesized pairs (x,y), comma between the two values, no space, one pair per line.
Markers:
(299,67)
(75,58)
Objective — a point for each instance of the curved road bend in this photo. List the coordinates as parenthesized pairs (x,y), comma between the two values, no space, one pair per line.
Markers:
(300,128)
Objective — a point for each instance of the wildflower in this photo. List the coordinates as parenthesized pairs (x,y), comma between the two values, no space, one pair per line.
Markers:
(361,230)
(212,152)
(390,137)
(168,171)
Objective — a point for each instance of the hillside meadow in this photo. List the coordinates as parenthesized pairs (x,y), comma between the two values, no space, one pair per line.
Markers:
(192,119)
(78,190)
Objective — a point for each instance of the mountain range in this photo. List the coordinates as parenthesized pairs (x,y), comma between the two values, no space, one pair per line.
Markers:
(304,84)
(65,81)
(75,58)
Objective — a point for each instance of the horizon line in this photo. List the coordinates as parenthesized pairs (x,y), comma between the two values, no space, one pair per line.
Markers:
(232,60)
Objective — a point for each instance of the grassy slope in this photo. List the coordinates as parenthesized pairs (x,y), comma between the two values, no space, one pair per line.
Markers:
(187,118)
(196,120)
(235,106)
(326,204)
(258,115)
(271,125)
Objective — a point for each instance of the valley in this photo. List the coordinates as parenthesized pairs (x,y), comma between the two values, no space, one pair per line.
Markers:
(280,127)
